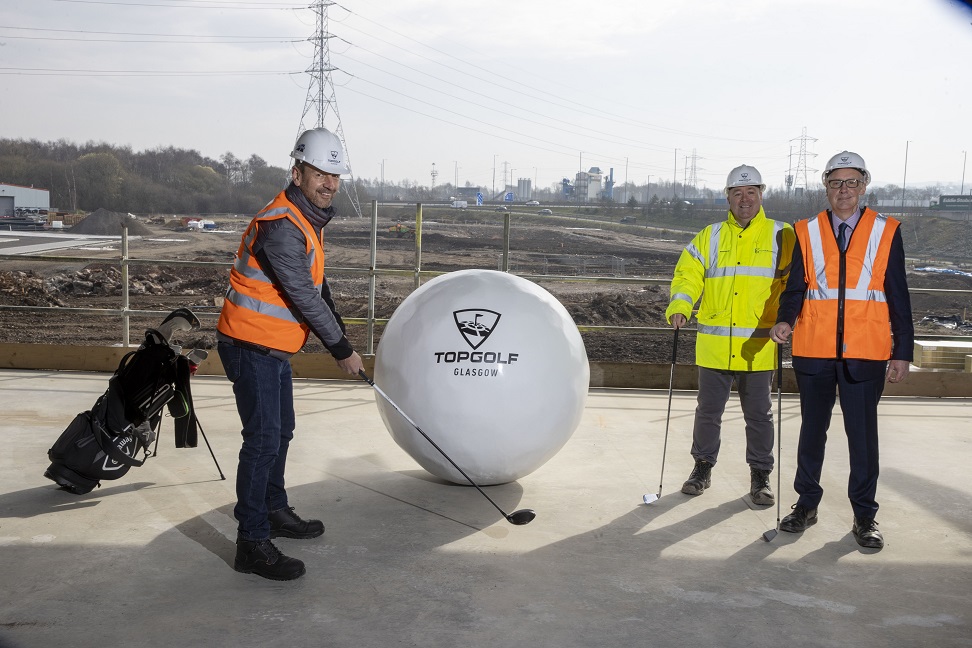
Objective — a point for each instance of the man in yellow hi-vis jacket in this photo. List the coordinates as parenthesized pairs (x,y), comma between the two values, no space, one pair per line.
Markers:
(739,268)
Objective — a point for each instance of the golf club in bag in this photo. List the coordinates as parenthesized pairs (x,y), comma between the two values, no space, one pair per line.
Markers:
(649,497)
(523,516)
(102,443)
(769,535)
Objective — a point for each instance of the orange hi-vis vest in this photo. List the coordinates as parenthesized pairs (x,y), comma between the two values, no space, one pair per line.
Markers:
(845,311)
(255,310)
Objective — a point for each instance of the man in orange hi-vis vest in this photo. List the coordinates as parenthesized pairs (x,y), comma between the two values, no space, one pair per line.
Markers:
(850,316)
(277,297)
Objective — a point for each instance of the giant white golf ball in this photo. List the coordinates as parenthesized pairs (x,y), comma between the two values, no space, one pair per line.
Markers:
(489,366)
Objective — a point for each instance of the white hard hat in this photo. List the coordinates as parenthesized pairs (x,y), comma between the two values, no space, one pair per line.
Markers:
(322,149)
(744,176)
(846,160)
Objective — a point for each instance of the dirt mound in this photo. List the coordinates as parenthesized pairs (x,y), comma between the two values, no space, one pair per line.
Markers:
(109,223)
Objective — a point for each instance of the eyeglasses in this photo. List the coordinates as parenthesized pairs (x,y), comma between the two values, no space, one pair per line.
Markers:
(853,183)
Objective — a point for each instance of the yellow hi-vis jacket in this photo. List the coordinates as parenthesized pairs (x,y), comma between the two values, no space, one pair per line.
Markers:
(739,273)
(255,309)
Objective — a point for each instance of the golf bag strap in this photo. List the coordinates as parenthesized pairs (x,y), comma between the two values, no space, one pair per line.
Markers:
(104,441)
(186,428)
(124,361)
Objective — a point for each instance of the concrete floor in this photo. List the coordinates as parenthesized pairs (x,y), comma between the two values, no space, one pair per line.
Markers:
(410,561)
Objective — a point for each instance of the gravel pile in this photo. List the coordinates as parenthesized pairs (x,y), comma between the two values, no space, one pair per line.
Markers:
(108,223)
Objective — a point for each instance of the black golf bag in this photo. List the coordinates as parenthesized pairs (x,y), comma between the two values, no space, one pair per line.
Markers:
(105,441)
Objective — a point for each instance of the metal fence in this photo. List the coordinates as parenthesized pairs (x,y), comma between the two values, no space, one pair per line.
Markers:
(615,275)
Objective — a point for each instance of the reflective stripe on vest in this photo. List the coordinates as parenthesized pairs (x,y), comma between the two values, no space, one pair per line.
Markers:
(866,332)
(711,271)
(741,272)
(255,310)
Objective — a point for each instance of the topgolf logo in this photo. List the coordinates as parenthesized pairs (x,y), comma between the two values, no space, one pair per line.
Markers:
(475,324)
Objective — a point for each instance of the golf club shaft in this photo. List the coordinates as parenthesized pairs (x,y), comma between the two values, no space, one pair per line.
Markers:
(365,377)
(668,416)
(779,429)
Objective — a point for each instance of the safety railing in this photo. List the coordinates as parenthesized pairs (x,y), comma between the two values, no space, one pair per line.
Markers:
(372,273)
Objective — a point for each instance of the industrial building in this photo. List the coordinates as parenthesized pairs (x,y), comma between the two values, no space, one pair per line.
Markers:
(18,202)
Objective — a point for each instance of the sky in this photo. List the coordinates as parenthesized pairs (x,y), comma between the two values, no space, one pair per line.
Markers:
(487,91)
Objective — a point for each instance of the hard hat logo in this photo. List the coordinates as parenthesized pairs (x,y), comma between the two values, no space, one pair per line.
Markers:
(300,148)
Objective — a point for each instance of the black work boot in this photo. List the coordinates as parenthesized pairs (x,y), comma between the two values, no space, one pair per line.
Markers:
(284,523)
(866,533)
(264,559)
(759,487)
(700,479)
(799,520)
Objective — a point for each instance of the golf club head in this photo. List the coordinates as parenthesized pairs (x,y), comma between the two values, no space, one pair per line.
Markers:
(769,535)
(181,319)
(196,356)
(523,516)
(649,498)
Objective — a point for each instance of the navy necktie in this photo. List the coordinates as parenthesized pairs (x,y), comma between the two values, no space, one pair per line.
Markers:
(842,236)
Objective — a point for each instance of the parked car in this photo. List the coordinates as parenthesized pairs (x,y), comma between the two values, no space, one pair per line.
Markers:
(544,212)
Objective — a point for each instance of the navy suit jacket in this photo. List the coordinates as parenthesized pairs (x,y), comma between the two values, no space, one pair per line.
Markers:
(899,309)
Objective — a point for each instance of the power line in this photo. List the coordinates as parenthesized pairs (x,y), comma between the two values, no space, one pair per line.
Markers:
(114,33)
(202,38)
(148,73)
(591,111)
(192,4)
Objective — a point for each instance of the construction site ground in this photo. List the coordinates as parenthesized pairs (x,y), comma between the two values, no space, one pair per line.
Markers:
(554,246)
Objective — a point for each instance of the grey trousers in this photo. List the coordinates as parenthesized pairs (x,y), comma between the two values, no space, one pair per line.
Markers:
(756,397)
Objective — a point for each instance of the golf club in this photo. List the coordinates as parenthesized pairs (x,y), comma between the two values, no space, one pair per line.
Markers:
(523,516)
(769,535)
(653,497)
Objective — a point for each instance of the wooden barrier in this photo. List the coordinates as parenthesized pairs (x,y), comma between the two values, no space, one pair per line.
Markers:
(615,375)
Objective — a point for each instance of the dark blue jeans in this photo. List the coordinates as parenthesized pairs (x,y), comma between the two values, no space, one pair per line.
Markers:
(264,390)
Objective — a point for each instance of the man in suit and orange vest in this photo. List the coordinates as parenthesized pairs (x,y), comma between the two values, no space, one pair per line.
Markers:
(277,297)
(850,315)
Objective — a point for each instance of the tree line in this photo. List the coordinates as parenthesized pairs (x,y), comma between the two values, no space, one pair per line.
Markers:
(94,175)
(170,180)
